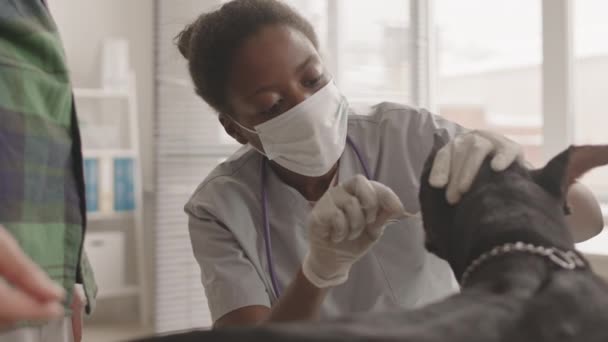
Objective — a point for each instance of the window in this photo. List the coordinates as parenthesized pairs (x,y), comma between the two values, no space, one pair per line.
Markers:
(490,75)
(590,117)
(489,67)
(366,45)
(590,80)
(373,53)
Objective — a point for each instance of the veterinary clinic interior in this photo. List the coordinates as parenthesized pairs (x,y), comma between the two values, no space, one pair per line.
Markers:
(212,170)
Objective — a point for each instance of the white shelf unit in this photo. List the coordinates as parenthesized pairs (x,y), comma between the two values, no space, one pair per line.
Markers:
(109,153)
(129,95)
(123,292)
(116,215)
(100,93)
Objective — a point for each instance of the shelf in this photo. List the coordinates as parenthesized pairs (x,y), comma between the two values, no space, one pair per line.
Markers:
(133,219)
(115,215)
(99,93)
(206,150)
(126,291)
(102,152)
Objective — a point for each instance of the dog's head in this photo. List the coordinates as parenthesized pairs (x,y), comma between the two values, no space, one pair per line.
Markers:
(515,205)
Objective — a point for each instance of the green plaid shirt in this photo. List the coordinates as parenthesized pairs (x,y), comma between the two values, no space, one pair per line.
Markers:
(41,180)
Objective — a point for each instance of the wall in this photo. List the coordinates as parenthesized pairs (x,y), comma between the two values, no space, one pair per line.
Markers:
(83,25)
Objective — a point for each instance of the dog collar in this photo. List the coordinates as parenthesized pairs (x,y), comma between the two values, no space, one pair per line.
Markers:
(568,260)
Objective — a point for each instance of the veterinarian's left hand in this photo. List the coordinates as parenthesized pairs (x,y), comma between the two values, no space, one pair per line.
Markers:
(456,164)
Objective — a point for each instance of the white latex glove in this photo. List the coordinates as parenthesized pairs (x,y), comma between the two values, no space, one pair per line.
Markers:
(456,164)
(344,224)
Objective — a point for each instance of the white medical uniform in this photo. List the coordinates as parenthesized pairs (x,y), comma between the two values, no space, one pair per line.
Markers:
(226,223)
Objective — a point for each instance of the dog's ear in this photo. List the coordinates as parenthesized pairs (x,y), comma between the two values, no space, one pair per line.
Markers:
(553,177)
(564,169)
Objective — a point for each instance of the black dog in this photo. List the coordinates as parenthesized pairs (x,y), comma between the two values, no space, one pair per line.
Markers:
(539,290)
(507,240)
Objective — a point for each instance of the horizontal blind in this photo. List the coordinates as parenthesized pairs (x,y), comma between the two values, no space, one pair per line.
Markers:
(190,143)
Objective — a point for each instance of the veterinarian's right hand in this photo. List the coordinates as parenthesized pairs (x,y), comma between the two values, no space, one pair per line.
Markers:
(31,295)
(343,226)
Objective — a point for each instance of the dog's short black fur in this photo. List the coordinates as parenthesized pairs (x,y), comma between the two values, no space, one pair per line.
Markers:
(515,297)
(548,304)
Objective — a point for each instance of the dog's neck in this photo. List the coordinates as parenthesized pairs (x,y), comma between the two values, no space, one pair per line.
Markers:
(478,234)
(521,275)
(480,224)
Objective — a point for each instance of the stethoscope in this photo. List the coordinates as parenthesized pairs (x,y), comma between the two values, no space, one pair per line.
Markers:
(267,246)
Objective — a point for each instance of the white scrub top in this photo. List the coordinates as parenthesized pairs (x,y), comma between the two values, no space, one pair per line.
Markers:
(226,223)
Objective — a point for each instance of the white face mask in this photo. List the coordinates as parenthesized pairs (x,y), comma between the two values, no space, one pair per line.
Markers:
(309,138)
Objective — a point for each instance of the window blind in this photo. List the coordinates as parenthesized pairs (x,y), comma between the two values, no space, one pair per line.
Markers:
(190,142)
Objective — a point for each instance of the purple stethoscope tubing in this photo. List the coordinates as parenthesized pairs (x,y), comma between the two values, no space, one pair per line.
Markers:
(267,245)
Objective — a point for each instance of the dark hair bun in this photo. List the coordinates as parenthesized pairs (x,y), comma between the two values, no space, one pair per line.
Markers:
(209,42)
(182,40)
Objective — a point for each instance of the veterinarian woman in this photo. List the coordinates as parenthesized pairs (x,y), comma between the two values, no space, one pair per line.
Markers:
(310,218)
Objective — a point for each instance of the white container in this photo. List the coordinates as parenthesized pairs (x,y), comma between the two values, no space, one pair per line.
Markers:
(115,64)
(100,136)
(106,252)
(106,185)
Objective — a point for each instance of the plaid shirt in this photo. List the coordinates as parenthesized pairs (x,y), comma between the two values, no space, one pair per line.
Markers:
(41,180)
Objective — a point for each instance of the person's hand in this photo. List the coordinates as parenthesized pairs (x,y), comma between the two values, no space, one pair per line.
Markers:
(26,292)
(457,163)
(343,226)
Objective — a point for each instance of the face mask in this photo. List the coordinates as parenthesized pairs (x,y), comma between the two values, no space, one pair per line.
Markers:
(309,138)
